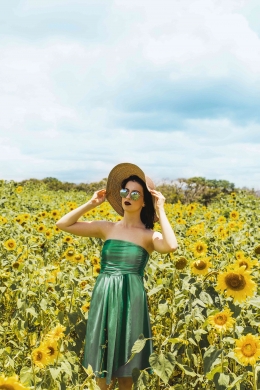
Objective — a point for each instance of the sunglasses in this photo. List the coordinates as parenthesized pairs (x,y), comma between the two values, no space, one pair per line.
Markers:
(135,195)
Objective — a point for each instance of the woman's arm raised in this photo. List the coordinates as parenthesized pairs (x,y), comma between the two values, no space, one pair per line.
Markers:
(166,241)
(69,222)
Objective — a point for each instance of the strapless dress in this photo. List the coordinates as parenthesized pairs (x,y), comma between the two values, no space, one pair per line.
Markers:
(118,312)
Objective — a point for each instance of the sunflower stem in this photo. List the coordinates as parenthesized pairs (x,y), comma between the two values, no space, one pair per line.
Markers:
(254,377)
(222,356)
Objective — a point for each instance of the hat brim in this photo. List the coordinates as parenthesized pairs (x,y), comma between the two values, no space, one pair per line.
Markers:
(115,178)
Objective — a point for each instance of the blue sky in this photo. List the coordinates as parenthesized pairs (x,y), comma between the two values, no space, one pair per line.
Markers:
(173,86)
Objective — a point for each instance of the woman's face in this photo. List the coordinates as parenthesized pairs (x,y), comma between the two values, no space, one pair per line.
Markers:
(129,204)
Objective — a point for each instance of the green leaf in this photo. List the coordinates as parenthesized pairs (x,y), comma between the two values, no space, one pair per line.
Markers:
(221,381)
(32,311)
(140,379)
(209,358)
(162,365)
(163,308)
(55,372)
(217,368)
(155,290)
(26,376)
(239,379)
(73,317)
(186,369)
(44,304)
(137,347)
(206,298)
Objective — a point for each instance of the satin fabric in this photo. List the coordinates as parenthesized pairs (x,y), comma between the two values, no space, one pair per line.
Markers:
(118,312)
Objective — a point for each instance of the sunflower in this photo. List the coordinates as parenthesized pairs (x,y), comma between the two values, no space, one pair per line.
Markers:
(237,283)
(41,228)
(221,219)
(68,239)
(201,266)
(85,307)
(95,260)
(26,216)
(234,214)
(56,229)
(11,383)
(212,337)
(19,189)
(52,350)
(232,225)
(48,234)
(181,221)
(199,248)
(191,207)
(219,230)
(246,262)
(56,333)
(78,258)
(3,220)
(181,263)
(83,284)
(247,349)
(70,253)
(257,250)
(10,244)
(55,214)
(240,255)
(40,356)
(96,270)
(44,214)
(222,321)
(19,219)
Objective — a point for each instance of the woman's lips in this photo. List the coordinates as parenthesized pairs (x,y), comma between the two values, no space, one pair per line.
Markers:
(127,203)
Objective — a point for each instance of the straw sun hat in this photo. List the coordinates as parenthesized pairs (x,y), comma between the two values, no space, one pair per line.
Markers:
(115,178)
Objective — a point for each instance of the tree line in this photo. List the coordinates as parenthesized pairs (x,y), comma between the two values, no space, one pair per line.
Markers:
(194,189)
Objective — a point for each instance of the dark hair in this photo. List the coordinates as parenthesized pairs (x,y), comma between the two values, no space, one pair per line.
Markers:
(148,212)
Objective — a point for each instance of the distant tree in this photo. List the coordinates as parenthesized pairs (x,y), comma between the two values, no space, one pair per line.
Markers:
(195,189)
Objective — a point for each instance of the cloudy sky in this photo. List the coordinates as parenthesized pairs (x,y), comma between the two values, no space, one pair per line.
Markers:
(171,85)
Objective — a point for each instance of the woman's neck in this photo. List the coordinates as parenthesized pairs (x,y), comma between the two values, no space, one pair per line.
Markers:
(131,221)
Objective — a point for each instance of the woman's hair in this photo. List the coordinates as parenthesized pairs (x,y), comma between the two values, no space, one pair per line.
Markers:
(148,211)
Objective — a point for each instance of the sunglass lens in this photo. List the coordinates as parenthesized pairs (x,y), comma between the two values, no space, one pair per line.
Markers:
(123,193)
(135,195)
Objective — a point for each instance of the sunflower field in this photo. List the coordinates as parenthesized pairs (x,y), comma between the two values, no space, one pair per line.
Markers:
(204,300)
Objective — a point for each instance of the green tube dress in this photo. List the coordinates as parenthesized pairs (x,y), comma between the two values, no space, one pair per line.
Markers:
(118,312)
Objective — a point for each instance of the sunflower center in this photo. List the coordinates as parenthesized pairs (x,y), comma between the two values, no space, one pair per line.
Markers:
(51,350)
(77,257)
(39,356)
(200,264)
(235,281)
(249,349)
(10,244)
(181,263)
(241,263)
(220,319)
(7,387)
(70,253)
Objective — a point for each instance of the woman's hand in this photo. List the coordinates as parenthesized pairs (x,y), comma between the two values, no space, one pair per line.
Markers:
(98,197)
(159,199)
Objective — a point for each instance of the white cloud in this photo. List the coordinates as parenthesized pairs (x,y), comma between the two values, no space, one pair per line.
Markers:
(59,93)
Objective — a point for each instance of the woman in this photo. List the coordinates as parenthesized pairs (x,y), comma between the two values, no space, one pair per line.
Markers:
(118,312)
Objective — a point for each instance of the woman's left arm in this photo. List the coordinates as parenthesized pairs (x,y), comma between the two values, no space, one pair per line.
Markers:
(166,241)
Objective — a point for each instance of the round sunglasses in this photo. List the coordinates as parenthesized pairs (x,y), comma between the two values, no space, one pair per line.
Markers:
(135,195)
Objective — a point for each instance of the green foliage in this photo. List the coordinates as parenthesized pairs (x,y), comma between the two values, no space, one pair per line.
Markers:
(40,288)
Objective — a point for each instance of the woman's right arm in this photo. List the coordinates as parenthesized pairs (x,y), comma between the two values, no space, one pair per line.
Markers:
(69,222)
